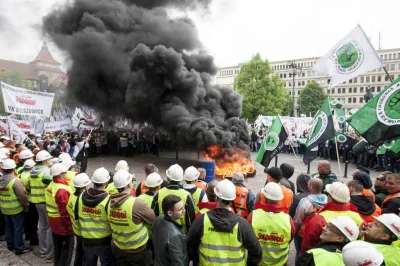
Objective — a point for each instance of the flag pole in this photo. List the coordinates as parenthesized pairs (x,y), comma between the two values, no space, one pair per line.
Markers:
(387,74)
(338,160)
(9,128)
(297,159)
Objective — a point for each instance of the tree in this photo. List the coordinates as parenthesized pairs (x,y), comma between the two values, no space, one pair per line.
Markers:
(263,92)
(311,98)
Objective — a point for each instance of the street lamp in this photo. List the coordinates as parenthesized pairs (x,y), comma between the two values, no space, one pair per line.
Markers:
(295,71)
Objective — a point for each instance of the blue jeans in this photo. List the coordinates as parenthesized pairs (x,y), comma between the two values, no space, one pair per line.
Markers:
(14,231)
(92,253)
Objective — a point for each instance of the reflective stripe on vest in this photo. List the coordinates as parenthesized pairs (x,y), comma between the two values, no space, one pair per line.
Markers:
(177,192)
(51,204)
(76,226)
(221,248)
(148,199)
(241,201)
(9,203)
(94,221)
(329,215)
(273,231)
(201,184)
(110,189)
(126,234)
(70,176)
(325,258)
(390,196)
(38,188)
(390,253)
(196,198)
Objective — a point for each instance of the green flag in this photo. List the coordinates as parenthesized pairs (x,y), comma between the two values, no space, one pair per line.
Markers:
(379,119)
(272,143)
(322,129)
(360,146)
(393,145)
(340,115)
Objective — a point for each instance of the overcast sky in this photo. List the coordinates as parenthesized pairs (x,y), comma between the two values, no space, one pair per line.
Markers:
(234,30)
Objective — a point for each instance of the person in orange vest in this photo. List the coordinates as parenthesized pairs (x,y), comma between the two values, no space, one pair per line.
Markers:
(365,180)
(380,188)
(148,169)
(391,204)
(338,204)
(244,202)
(274,174)
(200,183)
(364,204)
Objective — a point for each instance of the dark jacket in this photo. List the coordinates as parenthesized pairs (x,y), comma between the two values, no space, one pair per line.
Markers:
(308,259)
(364,179)
(380,195)
(169,241)
(224,221)
(326,179)
(364,204)
(302,192)
(391,206)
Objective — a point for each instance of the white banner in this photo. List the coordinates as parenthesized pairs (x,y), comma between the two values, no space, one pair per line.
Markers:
(19,135)
(86,119)
(63,125)
(4,129)
(26,102)
(24,125)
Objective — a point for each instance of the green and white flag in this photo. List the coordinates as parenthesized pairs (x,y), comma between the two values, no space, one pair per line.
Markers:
(379,119)
(272,143)
(349,58)
(322,129)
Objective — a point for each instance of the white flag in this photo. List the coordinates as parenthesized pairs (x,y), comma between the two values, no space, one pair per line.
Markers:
(352,56)
(20,136)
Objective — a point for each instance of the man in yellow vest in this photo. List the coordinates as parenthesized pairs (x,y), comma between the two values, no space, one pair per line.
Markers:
(23,156)
(175,176)
(71,173)
(93,218)
(273,228)
(80,183)
(335,235)
(13,205)
(191,175)
(220,237)
(57,197)
(128,217)
(382,233)
(39,179)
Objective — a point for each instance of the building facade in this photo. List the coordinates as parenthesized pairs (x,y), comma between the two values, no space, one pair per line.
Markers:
(350,92)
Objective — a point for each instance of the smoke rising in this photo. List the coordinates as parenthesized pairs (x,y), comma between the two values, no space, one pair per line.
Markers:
(129,58)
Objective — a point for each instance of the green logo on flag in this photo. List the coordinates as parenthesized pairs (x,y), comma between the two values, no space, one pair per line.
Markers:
(341,119)
(341,138)
(271,141)
(318,127)
(348,57)
(388,106)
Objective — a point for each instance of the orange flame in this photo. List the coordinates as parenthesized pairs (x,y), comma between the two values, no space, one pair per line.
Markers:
(227,162)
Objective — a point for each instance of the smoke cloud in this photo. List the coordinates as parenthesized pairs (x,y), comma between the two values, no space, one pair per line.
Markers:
(130,59)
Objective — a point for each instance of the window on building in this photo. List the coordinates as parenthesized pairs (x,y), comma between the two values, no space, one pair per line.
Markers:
(367,79)
(398,66)
(354,100)
(333,90)
(362,80)
(373,78)
(290,93)
(355,90)
(392,66)
(385,56)
(355,80)
(298,92)
(303,74)
(290,84)
(394,56)
(308,73)
(362,90)
(299,83)
(343,90)
(398,55)
(350,81)
(329,91)
(390,56)
(303,83)
(361,99)
(381,57)
(379,78)
(372,89)
(350,90)
(378,88)
(284,75)
(329,81)
(392,76)
(349,100)
(386,78)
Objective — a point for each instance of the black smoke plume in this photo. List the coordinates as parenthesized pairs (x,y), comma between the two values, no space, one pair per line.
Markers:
(130,59)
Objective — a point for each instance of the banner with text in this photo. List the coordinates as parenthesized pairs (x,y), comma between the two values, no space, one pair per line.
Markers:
(26,102)
(4,129)
(62,125)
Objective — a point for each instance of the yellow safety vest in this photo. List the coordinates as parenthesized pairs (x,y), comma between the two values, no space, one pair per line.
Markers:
(110,189)
(162,193)
(9,203)
(325,258)
(330,215)
(196,198)
(221,248)
(70,177)
(273,231)
(126,234)
(17,171)
(148,200)
(390,253)
(76,226)
(51,204)
(94,221)
(38,188)
(24,176)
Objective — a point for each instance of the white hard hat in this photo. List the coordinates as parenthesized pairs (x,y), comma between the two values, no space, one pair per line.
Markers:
(101,176)
(29,163)
(63,156)
(81,180)
(175,172)
(43,156)
(225,190)
(359,253)
(5,151)
(347,226)
(391,221)
(153,180)
(5,137)
(57,169)
(338,191)
(191,173)
(3,157)
(272,191)
(122,165)
(9,164)
(38,135)
(1,145)
(122,178)
(26,154)
(68,162)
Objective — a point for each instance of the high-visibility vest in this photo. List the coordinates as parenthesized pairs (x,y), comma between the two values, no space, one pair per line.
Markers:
(51,204)
(196,198)
(148,199)
(201,184)
(240,202)
(390,196)
(177,192)
(38,188)
(390,253)
(9,203)
(110,189)
(221,248)
(330,215)
(285,202)
(369,193)
(273,231)
(19,170)
(70,177)
(325,258)
(24,176)
(76,226)
(370,218)
(126,234)
(94,221)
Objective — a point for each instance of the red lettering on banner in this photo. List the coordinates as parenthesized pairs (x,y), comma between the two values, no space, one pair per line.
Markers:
(24,125)
(118,215)
(26,100)
(91,210)
(273,237)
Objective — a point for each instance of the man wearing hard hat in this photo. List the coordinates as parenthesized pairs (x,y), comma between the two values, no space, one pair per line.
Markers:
(191,175)
(128,217)
(221,230)
(361,253)
(335,235)
(274,228)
